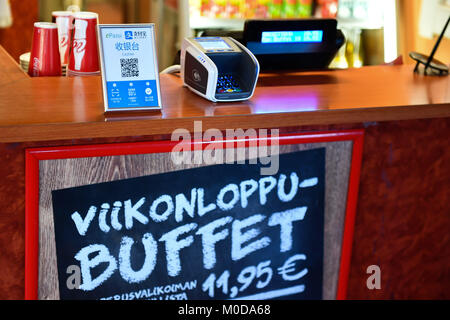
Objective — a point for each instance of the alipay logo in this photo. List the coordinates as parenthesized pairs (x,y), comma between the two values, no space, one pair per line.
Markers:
(128,35)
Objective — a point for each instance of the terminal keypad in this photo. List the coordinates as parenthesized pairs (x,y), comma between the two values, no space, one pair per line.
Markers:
(227,84)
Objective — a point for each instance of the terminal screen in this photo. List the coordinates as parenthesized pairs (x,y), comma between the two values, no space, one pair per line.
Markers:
(213,44)
(291,36)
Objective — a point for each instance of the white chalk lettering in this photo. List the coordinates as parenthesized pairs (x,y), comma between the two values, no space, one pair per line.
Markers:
(87,264)
(132,212)
(238,238)
(285,219)
(102,218)
(309,182)
(184,207)
(220,198)
(246,193)
(115,216)
(182,204)
(209,240)
(169,208)
(155,291)
(201,209)
(125,269)
(264,189)
(173,247)
(83,224)
(294,187)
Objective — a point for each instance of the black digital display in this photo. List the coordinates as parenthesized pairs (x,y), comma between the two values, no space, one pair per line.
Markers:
(292,44)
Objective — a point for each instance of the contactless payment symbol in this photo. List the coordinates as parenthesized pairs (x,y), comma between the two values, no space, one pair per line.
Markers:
(128,35)
(196,75)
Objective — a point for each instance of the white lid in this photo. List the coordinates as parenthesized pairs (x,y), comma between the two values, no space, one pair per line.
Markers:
(85,15)
(25,56)
(46,25)
(62,13)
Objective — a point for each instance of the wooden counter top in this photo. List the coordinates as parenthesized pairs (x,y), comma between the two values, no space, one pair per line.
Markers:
(57,108)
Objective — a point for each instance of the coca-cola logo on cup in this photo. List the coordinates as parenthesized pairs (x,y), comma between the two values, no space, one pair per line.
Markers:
(36,66)
(79,45)
(64,40)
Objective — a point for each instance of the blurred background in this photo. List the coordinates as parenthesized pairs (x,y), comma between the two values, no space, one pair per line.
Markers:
(377,31)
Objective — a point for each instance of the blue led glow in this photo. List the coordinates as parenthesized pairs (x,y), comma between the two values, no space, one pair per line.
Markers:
(292,36)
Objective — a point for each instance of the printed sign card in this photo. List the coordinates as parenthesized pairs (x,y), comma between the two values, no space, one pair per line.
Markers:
(215,232)
(129,67)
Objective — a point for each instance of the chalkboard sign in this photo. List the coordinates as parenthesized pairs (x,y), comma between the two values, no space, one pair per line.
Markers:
(215,232)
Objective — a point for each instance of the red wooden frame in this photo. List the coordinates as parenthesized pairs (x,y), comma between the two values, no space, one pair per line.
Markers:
(33,156)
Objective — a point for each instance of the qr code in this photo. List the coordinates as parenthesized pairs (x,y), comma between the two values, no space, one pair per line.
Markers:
(129,67)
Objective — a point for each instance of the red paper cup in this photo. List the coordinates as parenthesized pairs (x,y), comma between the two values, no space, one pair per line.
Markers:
(44,58)
(84,57)
(64,21)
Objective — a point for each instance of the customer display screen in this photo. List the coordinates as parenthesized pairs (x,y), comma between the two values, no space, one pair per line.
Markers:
(291,36)
(213,43)
(288,37)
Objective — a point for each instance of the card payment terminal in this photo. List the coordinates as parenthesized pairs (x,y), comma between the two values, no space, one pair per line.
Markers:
(218,68)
